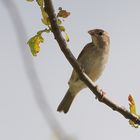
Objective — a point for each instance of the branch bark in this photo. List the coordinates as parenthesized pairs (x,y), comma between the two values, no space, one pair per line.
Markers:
(72,60)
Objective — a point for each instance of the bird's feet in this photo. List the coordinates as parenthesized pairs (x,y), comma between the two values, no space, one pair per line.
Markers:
(101,94)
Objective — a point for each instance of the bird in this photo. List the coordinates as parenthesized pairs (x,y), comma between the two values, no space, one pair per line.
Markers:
(92,59)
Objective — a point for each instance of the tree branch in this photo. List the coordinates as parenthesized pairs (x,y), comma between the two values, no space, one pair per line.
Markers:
(72,60)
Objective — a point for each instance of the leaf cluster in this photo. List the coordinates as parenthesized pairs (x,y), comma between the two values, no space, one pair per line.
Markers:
(34,42)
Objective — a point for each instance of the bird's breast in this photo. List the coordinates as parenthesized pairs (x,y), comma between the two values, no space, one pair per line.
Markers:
(96,66)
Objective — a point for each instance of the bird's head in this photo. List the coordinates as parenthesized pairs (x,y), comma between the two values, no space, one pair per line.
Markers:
(99,37)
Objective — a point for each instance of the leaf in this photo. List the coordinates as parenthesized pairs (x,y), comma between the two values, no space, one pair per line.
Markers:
(45,20)
(63,13)
(59,22)
(132,107)
(34,44)
(67,37)
(40,2)
(42,31)
(62,28)
(30,0)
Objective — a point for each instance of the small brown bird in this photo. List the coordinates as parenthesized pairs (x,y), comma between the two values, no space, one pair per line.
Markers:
(93,59)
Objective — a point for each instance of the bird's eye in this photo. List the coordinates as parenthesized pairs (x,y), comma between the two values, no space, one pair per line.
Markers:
(100,33)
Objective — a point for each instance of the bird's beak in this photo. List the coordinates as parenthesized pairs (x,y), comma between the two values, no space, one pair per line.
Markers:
(91,32)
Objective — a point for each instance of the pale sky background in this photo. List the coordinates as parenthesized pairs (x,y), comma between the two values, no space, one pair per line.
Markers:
(20,116)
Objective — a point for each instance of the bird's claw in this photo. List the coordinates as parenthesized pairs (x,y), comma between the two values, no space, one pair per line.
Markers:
(101,95)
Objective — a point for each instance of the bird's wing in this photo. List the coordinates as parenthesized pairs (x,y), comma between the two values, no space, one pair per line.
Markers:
(82,61)
(85,49)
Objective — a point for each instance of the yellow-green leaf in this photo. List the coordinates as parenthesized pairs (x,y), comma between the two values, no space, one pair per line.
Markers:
(66,37)
(42,31)
(59,22)
(62,28)
(132,107)
(40,2)
(45,20)
(34,44)
(30,0)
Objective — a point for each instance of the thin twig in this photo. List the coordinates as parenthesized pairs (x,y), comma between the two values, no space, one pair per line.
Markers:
(72,60)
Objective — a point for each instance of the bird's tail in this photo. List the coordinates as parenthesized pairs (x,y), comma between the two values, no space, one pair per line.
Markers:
(66,102)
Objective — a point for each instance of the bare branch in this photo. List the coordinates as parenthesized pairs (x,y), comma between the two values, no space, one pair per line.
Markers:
(72,60)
